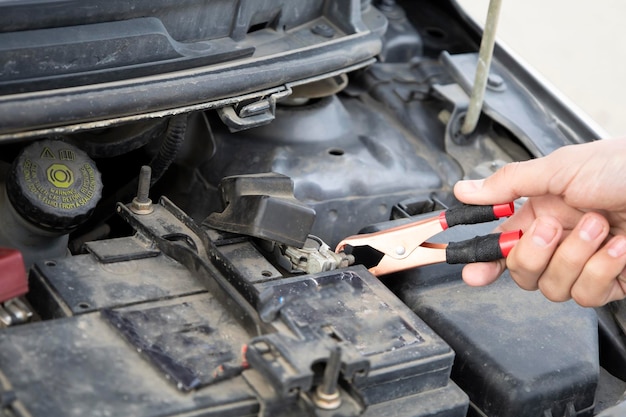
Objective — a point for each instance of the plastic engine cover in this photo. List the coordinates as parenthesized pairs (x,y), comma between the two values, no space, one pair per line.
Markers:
(517,354)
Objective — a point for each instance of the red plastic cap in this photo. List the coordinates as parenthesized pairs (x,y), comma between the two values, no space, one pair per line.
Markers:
(504,210)
(442,220)
(508,240)
(13,280)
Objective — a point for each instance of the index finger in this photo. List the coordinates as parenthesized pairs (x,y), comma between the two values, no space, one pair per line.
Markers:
(514,180)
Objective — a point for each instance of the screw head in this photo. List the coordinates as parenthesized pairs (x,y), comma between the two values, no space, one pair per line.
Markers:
(495,82)
(323,30)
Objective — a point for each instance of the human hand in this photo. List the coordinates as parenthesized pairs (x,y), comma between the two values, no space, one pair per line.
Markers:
(574,222)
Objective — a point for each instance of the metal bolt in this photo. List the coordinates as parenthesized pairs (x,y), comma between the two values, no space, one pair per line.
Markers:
(143,189)
(323,30)
(327,395)
(142,204)
(444,116)
(494,81)
(400,250)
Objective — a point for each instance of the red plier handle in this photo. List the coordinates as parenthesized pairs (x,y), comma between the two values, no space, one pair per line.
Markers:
(405,246)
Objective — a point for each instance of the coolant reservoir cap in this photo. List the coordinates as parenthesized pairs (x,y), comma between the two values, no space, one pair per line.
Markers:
(54,185)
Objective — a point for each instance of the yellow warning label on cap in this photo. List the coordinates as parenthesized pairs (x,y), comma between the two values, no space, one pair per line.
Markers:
(60,175)
(61,194)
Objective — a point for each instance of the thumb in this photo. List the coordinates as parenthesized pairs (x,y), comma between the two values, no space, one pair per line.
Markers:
(515,180)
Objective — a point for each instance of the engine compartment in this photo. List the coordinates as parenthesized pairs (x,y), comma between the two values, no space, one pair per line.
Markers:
(222,296)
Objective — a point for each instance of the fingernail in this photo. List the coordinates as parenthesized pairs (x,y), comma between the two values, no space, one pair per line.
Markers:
(470,186)
(543,234)
(617,247)
(590,229)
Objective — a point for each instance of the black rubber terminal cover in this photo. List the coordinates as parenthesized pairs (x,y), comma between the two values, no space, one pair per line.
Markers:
(54,185)
(263,205)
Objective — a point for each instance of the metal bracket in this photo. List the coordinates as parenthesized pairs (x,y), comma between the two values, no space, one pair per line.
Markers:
(467,149)
(168,220)
(512,106)
(315,256)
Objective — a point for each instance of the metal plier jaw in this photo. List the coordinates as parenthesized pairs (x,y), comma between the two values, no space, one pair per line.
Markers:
(405,247)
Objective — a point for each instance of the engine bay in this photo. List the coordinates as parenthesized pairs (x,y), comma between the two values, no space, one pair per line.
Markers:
(176,215)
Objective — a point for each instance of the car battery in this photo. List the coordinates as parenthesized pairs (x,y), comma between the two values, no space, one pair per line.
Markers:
(118,336)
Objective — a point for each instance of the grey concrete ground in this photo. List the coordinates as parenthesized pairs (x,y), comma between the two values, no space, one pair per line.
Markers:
(578,46)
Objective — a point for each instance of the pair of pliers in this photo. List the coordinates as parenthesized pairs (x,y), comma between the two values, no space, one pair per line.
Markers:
(404,247)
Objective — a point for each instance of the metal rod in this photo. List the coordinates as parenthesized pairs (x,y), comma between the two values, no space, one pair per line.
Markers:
(327,395)
(331,373)
(142,204)
(482,68)
(143,188)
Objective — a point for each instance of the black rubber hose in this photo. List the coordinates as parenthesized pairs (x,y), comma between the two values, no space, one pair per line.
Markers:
(173,141)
